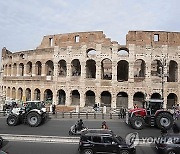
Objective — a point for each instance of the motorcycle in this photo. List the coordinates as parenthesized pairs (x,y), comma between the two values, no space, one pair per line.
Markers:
(73,130)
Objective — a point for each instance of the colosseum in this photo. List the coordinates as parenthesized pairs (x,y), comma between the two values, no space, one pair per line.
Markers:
(87,68)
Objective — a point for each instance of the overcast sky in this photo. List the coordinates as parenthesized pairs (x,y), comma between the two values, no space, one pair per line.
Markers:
(23,23)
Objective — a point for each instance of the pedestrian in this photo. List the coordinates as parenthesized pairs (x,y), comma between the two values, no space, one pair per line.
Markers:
(54,108)
(121,112)
(104,125)
(135,106)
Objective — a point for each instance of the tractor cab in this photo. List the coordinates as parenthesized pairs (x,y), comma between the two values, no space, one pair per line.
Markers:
(152,105)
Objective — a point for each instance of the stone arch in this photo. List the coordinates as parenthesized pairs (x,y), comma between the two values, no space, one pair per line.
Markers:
(91,52)
(106,98)
(76,67)
(49,68)
(38,68)
(14,93)
(123,51)
(62,68)
(122,100)
(61,97)
(37,94)
(139,99)
(106,69)
(90,98)
(139,70)
(173,71)
(29,68)
(90,69)
(21,69)
(171,100)
(155,96)
(75,97)
(122,70)
(28,94)
(48,96)
(20,93)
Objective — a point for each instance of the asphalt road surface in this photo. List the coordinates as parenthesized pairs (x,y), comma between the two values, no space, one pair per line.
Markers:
(52,137)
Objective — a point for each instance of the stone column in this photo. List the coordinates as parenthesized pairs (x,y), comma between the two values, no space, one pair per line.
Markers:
(32,94)
(42,95)
(68,98)
(113,103)
(17,74)
(98,70)
(55,71)
(114,71)
(82,99)
(130,100)
(131,72)
(98,99)
(83,71)
(43,70)
(25,69)
(55,97)
(68,71)
(34,70)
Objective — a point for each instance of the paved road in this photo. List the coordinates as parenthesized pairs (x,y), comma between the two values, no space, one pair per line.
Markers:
(29,140)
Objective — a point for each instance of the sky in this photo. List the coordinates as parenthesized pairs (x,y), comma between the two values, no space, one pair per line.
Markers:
(23,23)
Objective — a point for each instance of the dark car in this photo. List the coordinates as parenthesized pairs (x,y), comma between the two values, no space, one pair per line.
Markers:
(1,142)
(168,144)
(94,141)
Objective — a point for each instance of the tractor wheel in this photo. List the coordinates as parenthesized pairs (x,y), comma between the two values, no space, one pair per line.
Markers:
(137,122)
(12,120)
(164,119)
(33,119)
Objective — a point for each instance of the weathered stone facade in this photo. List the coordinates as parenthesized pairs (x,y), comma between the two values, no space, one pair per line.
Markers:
(85,68)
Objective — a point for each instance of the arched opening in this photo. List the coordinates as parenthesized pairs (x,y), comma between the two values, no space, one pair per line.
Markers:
(106,98)
(38,68)
(20,93)
(90,69)
(29,68)
(155,96)
(122,71)
(21,69)
(37,94)
(75,97)
(49,68)
(76,67)
(91,53)
(171,100)
(62,68)
(123,52)
(106,69)
(173,71)
(48,96)
(14,93)
(28,94)
(139,70)
(61,97)
(122,100)
(138,99)
(156,68)
(90,98)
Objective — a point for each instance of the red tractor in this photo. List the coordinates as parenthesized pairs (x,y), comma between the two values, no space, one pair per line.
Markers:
(152,114)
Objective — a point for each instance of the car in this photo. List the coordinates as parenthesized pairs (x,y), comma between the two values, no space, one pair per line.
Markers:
(94,141)
(168,144)
(1,142)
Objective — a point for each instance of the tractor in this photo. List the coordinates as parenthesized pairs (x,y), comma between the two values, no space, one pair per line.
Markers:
(152,114)
(32,113)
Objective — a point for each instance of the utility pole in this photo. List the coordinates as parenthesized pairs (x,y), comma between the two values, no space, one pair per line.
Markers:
(162,66)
